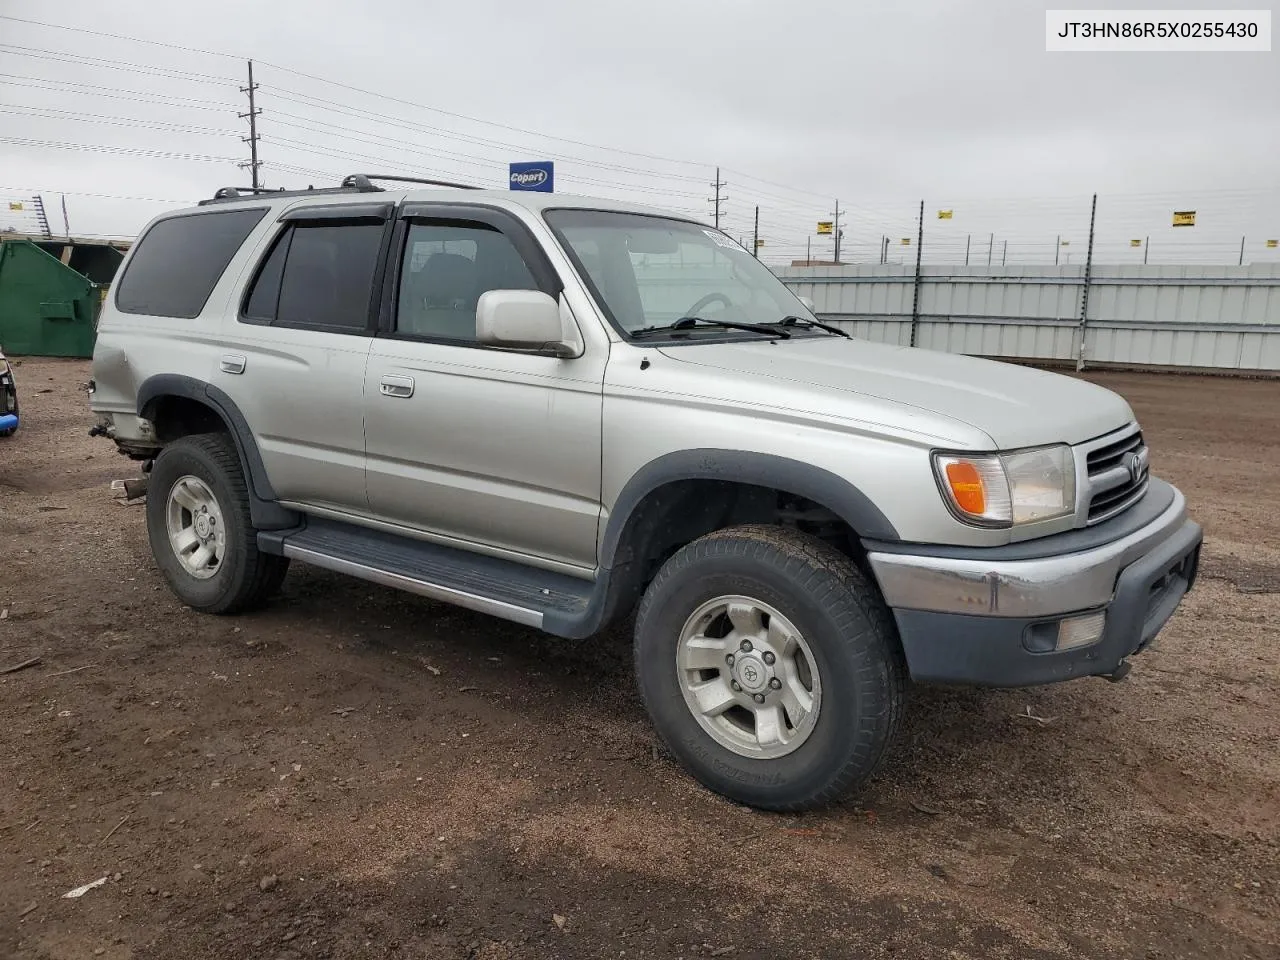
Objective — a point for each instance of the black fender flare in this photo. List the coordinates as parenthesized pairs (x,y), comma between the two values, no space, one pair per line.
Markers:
(759,469)
(265,512)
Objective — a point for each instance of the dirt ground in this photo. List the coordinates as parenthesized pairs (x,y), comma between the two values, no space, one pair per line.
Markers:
(359,773)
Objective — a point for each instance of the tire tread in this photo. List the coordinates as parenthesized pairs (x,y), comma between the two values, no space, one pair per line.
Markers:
(836,583)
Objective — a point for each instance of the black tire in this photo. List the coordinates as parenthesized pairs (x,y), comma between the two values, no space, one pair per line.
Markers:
(246,576)
(852,638)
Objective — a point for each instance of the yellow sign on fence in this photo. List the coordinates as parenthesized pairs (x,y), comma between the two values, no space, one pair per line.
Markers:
(1272,244)
(945,214)
(905,241)
(1135,243)
(15,204)
(759,244)
(1184,218)
(826,226)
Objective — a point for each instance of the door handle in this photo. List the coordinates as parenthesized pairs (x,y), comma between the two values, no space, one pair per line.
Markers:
(399,387)
(230,363)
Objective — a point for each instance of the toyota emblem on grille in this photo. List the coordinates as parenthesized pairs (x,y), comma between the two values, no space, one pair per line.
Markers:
(1137,464)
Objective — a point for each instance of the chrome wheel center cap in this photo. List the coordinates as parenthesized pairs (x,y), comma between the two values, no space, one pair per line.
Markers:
(750,671)
(202,525)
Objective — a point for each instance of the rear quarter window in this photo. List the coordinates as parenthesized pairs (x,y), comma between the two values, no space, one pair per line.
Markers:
(178,262)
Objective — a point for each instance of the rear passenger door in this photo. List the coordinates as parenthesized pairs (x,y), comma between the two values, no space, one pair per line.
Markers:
(295,364)
(486,447)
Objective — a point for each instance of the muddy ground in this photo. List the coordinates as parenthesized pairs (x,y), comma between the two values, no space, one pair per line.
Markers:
(359,773)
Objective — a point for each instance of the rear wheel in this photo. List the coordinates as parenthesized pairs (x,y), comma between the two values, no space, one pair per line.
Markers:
(200,530)
(770,667)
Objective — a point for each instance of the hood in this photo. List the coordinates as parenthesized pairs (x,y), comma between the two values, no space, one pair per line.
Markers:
(1013,405)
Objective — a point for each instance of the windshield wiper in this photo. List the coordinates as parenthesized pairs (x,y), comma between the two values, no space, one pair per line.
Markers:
(791,321)
(684,323)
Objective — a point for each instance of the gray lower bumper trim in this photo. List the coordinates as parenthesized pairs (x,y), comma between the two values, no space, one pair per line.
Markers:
(1019,588)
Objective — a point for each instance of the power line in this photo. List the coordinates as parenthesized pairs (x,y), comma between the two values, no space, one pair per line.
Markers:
(116,93)
(168,73)
(114,36)
(360,113)
(100,196)
(77,117)
(368,93)
(124,151)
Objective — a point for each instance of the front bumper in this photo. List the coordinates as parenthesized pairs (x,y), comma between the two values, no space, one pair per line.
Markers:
(990,617)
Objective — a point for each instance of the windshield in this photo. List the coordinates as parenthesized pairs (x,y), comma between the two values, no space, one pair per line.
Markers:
(652,271)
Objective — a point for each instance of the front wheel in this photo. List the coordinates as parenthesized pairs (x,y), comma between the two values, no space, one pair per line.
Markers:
(770,667)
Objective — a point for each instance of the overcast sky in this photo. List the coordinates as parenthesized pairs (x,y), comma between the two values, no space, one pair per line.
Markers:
(876,103)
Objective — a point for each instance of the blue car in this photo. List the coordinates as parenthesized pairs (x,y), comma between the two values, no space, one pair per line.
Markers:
(8,399)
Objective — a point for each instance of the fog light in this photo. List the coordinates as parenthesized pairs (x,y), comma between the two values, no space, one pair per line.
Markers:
(1081,631)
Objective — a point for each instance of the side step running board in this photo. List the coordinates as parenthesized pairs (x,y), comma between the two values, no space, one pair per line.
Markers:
(522,594)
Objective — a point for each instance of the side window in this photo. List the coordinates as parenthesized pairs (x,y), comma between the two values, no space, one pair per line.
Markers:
(447,265)
(265,294)
(328,276)
(318,275)
(179,260)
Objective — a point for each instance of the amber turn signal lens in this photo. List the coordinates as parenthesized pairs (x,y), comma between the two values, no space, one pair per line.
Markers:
(966,487)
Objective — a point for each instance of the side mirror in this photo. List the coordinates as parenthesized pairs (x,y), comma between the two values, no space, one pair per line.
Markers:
(808,304)
(522,320)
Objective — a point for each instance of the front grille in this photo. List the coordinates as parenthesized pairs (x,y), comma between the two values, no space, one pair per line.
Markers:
(1113,485)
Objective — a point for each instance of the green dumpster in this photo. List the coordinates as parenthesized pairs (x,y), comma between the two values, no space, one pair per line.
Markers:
(47,309)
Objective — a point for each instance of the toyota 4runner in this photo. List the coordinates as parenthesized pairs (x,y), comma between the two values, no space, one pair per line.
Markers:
(562,411)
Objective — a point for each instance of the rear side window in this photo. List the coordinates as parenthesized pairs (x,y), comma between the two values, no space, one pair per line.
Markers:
(318,275)
(265,295)
(178,262)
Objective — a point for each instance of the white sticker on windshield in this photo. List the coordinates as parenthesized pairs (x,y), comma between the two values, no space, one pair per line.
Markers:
(721,240)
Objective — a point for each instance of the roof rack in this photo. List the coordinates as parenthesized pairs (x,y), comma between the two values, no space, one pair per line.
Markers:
(362,181)
(355,183)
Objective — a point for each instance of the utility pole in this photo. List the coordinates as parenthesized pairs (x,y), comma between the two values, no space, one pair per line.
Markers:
(836,231)
(808,252)
(755,236)
(1088,274)
(915,296)
(1057,247)
(1241,263)
(967,238)
(1004,254)
(1146,248)
(717,199)
(254,163)
(991,245)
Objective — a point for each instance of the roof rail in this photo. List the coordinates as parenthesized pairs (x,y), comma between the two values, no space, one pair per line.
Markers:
(362,181)
(229,194)
(355,183)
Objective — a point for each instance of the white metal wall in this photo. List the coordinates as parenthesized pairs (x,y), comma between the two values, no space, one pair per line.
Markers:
(1180,316)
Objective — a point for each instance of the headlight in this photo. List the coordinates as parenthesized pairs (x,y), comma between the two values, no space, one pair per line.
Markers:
(1005,489)
(4,365)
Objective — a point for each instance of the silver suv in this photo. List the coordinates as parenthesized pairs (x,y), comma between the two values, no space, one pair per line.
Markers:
(562,411)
